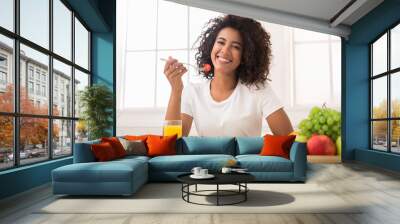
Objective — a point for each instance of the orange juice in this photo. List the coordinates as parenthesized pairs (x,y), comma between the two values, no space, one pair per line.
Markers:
(172,130)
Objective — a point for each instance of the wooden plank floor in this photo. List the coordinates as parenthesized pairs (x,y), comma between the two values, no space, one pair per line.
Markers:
(377,189)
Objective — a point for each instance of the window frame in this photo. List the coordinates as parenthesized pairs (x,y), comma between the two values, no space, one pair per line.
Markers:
(156,105)
(295,43)
(3,70)
(388,74)
(16,115)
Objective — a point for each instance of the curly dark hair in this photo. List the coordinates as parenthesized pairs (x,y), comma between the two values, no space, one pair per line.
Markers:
(256,53)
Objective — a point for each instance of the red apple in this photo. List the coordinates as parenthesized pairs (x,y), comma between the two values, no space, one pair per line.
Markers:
(320,145)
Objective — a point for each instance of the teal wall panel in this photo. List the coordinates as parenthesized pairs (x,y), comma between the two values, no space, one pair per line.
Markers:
(356,81)
(90,12)
(379,159)
(102,59)
(103,53)
(24,178)
(356,110)
(103,64)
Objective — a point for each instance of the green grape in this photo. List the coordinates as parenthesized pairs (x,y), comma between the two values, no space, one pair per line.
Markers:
(336,128)
(336,117)
(308,124)
(322,120)
(329,121)
(315,110)
(302,124)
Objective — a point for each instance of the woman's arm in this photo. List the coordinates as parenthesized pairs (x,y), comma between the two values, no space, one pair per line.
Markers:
(186,124)
(174,106)
(174,71)
(174,113)
(279,123)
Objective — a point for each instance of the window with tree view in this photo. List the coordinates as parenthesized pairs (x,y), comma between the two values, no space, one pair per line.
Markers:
(385,94)
(38,81)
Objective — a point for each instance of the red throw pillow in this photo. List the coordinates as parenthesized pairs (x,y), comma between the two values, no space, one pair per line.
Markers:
(116,145)
(103,151)
(276,145)
(161,145)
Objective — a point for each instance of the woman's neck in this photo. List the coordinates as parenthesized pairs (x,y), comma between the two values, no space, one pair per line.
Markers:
(224,82)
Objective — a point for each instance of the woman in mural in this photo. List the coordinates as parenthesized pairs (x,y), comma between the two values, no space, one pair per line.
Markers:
(236,98)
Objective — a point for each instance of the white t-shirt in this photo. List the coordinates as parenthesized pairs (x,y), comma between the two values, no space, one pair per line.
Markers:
(241,114)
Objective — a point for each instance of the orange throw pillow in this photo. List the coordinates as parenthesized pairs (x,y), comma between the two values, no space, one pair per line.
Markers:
(116,145)
(161,145)
(276,145)
(103,152)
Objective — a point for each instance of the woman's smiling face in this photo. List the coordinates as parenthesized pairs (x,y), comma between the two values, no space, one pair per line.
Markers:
(226,53)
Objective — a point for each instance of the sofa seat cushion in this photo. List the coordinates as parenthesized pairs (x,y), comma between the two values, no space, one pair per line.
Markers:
(185,163)
(257,163)
(111,171)
(133,158)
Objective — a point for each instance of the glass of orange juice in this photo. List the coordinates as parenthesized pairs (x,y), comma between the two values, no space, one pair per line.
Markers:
(172,127)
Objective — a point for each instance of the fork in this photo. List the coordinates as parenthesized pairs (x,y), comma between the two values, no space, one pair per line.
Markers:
(193,66)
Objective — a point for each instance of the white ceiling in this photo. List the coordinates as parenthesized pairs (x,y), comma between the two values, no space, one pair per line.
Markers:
(319,9)
(316,15)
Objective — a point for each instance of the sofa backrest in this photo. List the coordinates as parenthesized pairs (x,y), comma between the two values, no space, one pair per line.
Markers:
(83,152)
(193,145)
(249,145)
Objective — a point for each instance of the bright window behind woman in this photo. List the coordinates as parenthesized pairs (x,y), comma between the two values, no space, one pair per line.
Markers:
(144,35)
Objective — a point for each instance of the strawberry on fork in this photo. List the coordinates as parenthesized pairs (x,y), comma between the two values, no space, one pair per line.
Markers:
(206,68)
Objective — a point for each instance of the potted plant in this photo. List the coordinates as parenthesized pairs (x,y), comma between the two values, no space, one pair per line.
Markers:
(96,102)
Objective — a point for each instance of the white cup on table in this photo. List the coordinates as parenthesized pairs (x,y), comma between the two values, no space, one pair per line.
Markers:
(196,170)
(203,172)
(226,170)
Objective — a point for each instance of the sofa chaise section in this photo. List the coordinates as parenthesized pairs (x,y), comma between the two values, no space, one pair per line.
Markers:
(87,177)
(271,168)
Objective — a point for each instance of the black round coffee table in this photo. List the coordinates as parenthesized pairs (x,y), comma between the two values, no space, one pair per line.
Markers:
(238,179)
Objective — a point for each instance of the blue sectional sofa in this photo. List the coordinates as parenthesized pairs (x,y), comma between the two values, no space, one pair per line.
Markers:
(125,176)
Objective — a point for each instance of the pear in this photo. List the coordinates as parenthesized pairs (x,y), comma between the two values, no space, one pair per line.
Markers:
(339,145)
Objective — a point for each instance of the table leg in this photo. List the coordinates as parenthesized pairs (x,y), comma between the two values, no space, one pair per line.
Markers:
(217,194)
(245,193)
(196,188)
(188,189)
(182,189)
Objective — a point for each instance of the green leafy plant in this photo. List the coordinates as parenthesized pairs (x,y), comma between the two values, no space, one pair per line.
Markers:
(96,102)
